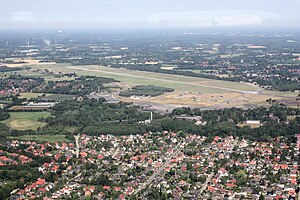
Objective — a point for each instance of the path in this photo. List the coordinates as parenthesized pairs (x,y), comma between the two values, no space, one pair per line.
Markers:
(77,144)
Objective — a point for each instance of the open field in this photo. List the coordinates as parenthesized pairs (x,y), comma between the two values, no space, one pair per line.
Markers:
(28,63)
(25,120)
(48,97)
(189,91)
(29,95)
(251,125)
(58,97)
(42,138)
(22,108)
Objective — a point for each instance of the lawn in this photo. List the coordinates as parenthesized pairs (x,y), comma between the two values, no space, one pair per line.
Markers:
(25,120)
(43,138)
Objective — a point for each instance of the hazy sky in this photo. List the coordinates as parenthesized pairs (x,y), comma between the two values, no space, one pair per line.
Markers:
(147,13)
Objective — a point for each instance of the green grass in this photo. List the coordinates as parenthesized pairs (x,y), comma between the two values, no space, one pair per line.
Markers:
(29,95)
(250,125)
(26,120)
(43,138)
(49,97)
(58,97)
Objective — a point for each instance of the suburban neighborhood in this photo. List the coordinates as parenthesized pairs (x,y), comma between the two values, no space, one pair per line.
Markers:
(172,165)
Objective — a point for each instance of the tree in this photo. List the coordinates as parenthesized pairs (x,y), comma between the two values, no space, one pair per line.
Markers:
(261,197)
(241,178)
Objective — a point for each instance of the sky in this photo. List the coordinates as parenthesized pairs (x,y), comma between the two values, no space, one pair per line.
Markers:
(148,13)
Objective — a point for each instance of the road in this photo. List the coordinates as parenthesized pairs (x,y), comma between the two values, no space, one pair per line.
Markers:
(165,80)
(177,150)
(77,144)
(234,143)
(206,182)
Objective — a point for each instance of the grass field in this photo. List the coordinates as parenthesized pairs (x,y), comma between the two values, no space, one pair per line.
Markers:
(251,126)
(48,97)
(58,97)
(43,138)
(25,120)
(29,95)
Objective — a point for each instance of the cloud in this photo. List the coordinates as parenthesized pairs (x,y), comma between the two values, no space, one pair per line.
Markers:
(232,20)
(22,16)
(212,18)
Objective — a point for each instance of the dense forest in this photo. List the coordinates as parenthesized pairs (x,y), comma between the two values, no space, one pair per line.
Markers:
(146,90)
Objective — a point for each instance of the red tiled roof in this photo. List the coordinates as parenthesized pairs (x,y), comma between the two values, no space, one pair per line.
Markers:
(106,187)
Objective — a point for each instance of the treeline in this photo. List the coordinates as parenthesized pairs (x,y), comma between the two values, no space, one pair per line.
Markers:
(265,132)
(4,68)
(277,111)
(146,90)
(96,117)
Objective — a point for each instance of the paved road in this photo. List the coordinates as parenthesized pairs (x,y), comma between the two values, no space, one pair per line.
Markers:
(165,80)
(206,182)
(177,150)
(77,145)
(229,151)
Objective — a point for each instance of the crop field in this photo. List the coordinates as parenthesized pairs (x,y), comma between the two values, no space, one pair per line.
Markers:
(25,120)
(42,138)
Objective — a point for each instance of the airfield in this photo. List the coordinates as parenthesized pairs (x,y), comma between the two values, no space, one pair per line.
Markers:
(189,91)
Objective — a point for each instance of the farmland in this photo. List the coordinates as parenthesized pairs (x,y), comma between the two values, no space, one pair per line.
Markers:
(25,120)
